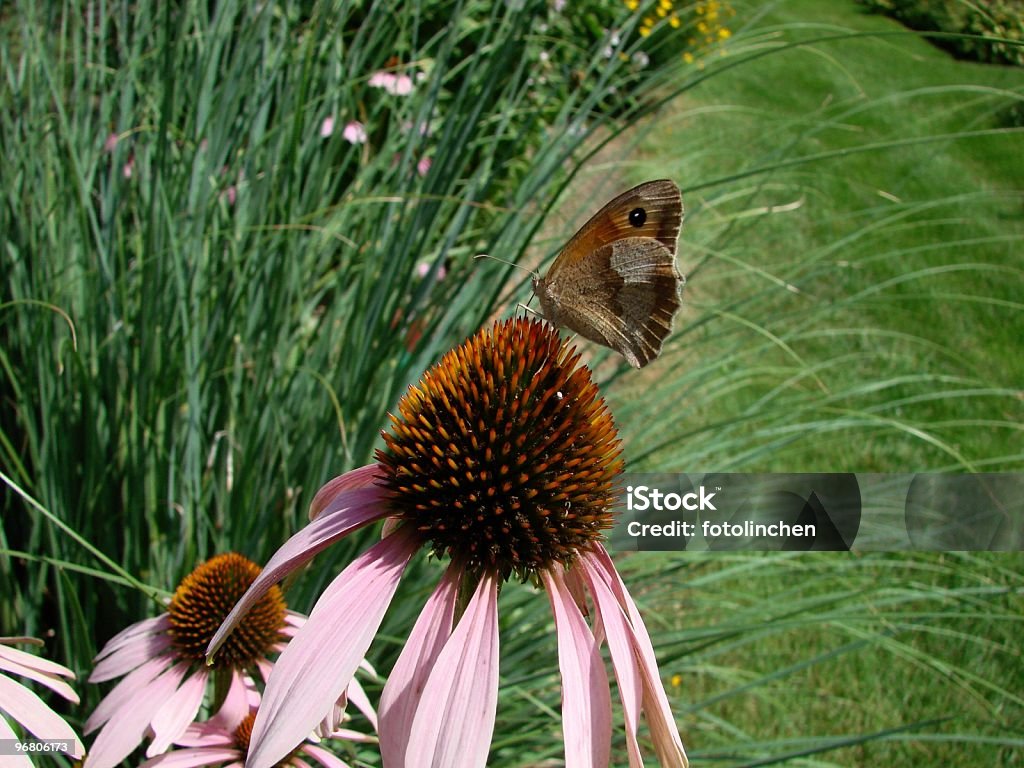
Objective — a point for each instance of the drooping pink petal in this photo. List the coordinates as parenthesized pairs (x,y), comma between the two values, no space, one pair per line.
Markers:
(32,712)
(325,758)
(39,672)
(319,662)
(122,735)
(205,734)
(627,673)
(361,701)
(125,692)
(363,477)
(586,698)
(177,712)
(12,761)
(327,126)
(129,656)
(455,722)
(404,688)
(350,510)
(664,733)
(236,705)
(192,758)
(132,633)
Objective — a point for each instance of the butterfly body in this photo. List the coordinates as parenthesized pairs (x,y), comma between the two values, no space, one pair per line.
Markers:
(616,281)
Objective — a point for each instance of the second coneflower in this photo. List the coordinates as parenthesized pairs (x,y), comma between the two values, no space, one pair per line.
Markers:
(162,660)
(502,459)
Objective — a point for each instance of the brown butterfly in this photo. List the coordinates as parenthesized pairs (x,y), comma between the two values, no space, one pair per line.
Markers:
(616,281)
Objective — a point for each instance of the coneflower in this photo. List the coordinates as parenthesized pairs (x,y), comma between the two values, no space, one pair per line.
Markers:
(162,659)
(503,460)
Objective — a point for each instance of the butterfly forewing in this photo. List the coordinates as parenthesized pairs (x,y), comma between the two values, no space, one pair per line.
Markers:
(616,280)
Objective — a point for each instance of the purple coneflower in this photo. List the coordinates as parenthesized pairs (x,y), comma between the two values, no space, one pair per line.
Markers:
(503,458)
(224,738)
(163,663)
(24,706)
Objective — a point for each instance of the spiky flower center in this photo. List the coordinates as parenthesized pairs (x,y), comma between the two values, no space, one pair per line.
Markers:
(202,602)
(243,733)
(504,456)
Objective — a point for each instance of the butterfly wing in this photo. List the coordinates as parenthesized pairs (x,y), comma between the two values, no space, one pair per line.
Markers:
(616,281)
(662,206)
(626,301)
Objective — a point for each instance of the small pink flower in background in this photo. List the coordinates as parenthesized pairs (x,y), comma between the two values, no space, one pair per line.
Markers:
(25,707)
(129,168)
(503,458)
(111,142)
(354,133)
(396,85)
(424,267)
(224,738)
(162,659)
(423,166)
(327,126)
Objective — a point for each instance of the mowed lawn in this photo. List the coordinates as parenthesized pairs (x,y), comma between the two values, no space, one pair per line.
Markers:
(853,239)
(855,305)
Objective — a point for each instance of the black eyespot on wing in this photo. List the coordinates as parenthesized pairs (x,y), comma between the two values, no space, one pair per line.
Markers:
(637,217)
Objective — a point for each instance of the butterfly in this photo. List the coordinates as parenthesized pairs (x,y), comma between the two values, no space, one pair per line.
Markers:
(616,281)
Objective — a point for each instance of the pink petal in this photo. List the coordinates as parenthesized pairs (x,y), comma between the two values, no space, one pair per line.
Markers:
(122,735)
(236,705)
(38,719)
(627,673)
(38,663)
(404,688)
(325,758)
(177,712)
(129,656)
(34,672)
(190,758)
(351,510)
(12,761)
(664,733)
(126,692)
(586,698)
(361,701)
(319,662)
(327,127)
(454,725)
(363,477)
(129,635)
(206,734)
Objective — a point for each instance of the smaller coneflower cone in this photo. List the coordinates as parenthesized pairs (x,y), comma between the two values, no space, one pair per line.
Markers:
(504,456)
(203,600)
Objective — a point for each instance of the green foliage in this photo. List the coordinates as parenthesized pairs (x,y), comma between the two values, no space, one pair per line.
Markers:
(215,289)
(213,295)
(991,31)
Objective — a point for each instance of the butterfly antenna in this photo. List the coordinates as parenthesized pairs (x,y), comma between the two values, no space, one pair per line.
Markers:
(505,261)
